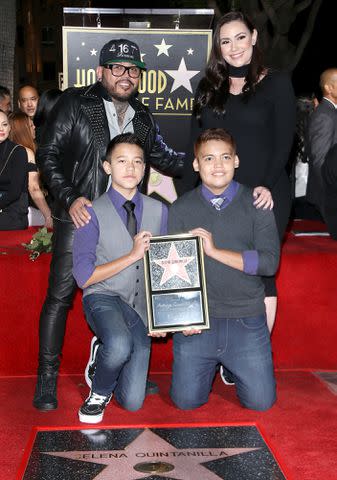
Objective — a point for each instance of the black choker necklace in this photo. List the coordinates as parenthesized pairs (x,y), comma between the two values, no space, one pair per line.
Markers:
(238,72)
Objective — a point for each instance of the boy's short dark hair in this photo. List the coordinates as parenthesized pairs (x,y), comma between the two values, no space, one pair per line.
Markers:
(214,134)
(129,138)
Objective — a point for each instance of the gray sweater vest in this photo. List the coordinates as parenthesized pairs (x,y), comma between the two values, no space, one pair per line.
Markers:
(114,242)
(238,227)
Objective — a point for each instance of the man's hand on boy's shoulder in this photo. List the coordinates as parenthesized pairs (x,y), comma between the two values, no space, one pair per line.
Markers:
(263,198)
(79,213)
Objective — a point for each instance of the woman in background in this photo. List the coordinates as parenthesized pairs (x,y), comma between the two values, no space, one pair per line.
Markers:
(46,103)
(23,133)
(257,106)
(13,181)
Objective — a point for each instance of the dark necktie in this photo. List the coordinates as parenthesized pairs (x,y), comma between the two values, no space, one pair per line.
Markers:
(131,222)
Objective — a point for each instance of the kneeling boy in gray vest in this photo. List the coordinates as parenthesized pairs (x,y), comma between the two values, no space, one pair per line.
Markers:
(240,244)
(108,266)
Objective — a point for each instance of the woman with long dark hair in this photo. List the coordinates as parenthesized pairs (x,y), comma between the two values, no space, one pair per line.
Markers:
(46,103)
(23,133)
(257,106)
(13,180)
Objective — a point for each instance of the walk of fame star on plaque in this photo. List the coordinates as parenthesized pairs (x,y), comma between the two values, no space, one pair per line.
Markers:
(175,284)
(214,453)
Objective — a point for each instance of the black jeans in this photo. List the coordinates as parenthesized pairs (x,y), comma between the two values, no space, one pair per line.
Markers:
(59,299)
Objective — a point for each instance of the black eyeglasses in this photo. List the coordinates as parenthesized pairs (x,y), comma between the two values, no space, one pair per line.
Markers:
(118,70)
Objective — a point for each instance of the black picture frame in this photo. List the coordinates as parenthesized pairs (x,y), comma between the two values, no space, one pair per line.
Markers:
(175,284)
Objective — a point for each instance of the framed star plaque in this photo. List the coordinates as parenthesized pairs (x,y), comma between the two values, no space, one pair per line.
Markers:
(175,284)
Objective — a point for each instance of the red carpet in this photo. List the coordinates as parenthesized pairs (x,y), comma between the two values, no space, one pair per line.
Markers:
(300,429)
(305,334)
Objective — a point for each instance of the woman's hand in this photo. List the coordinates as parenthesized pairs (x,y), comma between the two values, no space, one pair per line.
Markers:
(48,222)
(263,198)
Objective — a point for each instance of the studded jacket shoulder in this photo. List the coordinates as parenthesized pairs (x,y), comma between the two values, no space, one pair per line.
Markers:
(73,145)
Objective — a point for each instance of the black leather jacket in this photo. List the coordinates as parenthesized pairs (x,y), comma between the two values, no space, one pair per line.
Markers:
(74,142)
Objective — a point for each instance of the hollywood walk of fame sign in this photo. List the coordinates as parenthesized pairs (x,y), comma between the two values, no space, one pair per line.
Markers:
(175,60)
(207,453)
(175,284)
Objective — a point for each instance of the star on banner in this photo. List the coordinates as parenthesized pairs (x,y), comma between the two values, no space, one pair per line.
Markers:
(163,48)
(187,462)
(93,52)
(162,185)
(190,51)
(174,265)
(182,76)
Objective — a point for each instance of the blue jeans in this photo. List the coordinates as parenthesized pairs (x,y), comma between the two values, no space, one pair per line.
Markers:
(242,346)
(123,357)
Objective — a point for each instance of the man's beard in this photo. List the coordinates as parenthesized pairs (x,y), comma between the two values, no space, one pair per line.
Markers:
(121,98)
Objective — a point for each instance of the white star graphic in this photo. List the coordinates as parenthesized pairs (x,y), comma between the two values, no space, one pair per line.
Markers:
(83,44)
(174,266)
(190,51)
(162,185)
(182,76)
(93,52)
(147,448)
(77,59)
(163,48)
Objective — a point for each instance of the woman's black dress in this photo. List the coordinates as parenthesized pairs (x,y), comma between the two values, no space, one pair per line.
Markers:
(13,187)
(263,128)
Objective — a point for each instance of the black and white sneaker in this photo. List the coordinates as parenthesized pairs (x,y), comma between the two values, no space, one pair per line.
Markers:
(226,376)
(91,365)
(92,410)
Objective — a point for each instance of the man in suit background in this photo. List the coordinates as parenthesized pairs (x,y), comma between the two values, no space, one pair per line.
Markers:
(321,136)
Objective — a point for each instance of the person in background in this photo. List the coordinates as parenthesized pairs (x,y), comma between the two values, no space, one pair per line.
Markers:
(13,180)
(321,136)
(71,155)
(28,98)
(23,133)
(298,166)
(45,105)
(5,100)
(329,177)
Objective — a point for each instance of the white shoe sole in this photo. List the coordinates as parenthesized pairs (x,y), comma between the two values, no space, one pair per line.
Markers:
(90,418)
(93,353)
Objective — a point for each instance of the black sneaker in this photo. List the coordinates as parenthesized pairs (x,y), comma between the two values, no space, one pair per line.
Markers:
(226,376)
(90,369)
(92,410)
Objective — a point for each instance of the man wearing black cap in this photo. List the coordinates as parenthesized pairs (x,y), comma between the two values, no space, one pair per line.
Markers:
(70,156)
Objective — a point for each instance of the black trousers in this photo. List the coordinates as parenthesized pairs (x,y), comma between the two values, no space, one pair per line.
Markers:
(59,299)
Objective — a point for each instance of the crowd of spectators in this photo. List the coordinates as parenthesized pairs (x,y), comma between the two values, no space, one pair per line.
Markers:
(23,196)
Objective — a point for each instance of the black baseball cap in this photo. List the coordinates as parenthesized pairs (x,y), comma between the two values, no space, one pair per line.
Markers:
(121,50)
